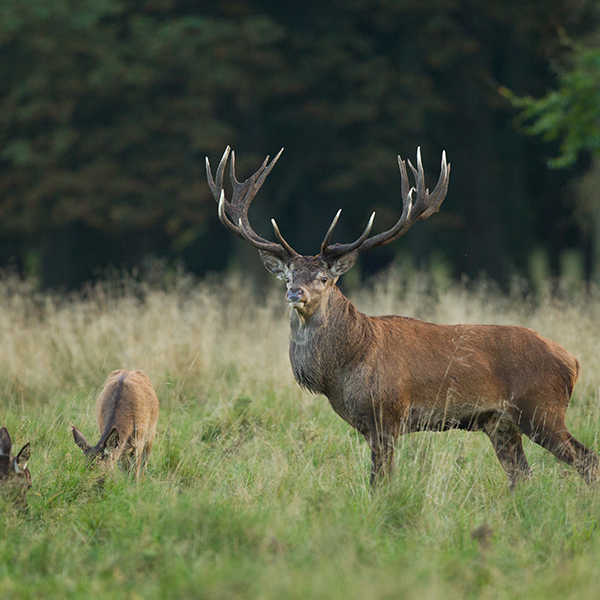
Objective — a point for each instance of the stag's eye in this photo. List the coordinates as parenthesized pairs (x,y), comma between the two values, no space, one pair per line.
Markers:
(323,279)
(287,279)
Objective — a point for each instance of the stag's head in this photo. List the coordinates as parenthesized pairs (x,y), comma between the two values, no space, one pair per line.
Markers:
(15,478)
(308,278)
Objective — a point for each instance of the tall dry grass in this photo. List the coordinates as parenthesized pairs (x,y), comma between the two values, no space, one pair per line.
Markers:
(214,340)
(188,338)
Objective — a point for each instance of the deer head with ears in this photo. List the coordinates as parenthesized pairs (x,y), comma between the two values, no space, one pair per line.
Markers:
(15,478)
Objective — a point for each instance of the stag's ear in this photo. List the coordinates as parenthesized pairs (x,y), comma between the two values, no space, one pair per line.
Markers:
(273,263)
(342,264)
(80,439)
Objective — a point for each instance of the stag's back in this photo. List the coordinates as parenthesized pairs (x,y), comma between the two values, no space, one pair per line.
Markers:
(464,366)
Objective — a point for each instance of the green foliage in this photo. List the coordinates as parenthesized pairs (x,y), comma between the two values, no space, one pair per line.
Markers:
(569,114)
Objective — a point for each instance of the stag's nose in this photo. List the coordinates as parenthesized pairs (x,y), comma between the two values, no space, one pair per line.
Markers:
(295,294)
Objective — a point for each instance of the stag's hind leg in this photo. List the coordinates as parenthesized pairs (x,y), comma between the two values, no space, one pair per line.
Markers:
(508,445)
(551,433)
(571,451)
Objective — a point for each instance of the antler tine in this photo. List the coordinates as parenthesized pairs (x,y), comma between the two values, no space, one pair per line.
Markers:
(241,184)
(285,245)
(245,191)
(225,219)
(329,233)
(404,182)
(264,172)
(440,190)
(234,214)
(431,201)
(419,175)
(417,203)
(248,234)
(365,233)
(216,188)
(340,249)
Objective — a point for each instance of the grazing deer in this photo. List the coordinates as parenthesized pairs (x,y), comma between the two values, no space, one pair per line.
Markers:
(391,375)
(127,412)
(15,478)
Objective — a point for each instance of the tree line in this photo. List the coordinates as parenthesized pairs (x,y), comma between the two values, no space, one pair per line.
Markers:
(109,107)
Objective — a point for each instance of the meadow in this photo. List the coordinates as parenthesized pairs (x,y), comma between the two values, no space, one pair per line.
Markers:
(256,489)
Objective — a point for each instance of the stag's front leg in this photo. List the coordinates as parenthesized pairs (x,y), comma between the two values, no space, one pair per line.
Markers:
(382,456)
(506,439)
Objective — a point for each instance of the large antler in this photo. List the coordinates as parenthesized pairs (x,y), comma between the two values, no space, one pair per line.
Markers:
(234,214)
(413,209)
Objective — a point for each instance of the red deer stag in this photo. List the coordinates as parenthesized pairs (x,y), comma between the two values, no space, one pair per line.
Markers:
(391,375)
(127,412)
(15,479)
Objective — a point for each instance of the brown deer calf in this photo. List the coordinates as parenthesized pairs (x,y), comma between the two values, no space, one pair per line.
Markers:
(15,478)
(127,412)
(390,375)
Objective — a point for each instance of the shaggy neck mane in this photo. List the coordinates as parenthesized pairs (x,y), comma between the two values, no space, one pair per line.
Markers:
(327,341)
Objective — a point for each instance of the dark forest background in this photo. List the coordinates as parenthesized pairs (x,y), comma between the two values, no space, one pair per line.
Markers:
(109,107)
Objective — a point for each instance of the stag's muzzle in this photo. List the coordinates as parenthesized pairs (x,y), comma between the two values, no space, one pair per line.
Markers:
(295,296)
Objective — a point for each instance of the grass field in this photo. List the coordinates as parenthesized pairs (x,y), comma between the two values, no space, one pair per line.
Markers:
(256,489)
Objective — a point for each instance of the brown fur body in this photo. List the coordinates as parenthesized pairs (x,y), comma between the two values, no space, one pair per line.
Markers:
(127,412)
(391,375)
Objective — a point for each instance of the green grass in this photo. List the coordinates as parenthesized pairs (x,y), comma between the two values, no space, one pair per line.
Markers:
(257,490)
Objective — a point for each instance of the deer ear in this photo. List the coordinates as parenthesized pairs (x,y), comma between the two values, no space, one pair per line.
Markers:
(344,263)
(80,439)
(273,263)
(23,456)
(5,441)
(112,441)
